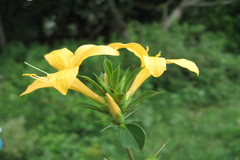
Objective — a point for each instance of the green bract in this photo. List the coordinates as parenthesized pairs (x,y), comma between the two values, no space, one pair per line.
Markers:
(117,84)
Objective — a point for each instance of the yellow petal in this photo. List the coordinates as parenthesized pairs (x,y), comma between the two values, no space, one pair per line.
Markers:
(63,79)
(185,64)
(86,51)
(77,59)
(37,84)
(138,81)
(116,45)
(78,86)
(113,107)
(59,59)
(155,65)
(136,48)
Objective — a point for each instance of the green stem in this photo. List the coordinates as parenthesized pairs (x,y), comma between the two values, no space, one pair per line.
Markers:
(130,154)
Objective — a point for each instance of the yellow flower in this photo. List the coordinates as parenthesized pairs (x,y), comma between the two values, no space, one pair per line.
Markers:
(67,65)
(151,65)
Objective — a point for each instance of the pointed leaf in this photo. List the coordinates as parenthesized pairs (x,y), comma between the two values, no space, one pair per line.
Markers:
(94,83)
(155,155)
(115,78)
(126,139)
(132,135)
(143,96)
(108,68)
(116,74)
(90,106)
(105,128)
(107,65)
(103,84)
(131,78)
(122,83)
(138,133)
(129,114)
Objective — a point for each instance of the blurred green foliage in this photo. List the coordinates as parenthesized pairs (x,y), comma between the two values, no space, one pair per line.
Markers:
(200,115)
(50,21)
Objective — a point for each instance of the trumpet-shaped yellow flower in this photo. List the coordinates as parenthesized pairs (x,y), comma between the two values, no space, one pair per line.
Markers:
(151,65)
(67,65)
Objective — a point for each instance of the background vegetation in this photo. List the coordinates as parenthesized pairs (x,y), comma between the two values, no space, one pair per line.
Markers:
(200,115)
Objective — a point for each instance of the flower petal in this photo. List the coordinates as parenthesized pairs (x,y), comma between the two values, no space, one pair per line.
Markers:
(86,51)
(78,86)
(59,59)
(138,81)
(185,64)
(116,45)
(63,79)
(37,84)
(136,48)
(155,65)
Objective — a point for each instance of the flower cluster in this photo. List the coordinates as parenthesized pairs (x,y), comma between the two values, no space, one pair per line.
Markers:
(68,65)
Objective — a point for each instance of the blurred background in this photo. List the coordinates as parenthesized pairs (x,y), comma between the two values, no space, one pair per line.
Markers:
(200,115)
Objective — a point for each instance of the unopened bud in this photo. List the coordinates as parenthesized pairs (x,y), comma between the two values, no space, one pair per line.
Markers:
(114,109)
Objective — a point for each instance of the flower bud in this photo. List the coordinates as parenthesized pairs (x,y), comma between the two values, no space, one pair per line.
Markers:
(114,109)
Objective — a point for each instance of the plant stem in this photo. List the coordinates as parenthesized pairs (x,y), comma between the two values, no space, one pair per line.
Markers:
(130,154)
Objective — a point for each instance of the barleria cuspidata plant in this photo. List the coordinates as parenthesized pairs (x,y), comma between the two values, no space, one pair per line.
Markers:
(114,95)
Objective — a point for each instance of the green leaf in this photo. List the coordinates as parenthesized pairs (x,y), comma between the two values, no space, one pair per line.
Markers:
(143,96)
(131,78)
(116,77)
(103,84)
(122,83)
(129,114)
(154,156)
(94,83)
(107,65)
(127,79)
(90,106)
(132,135)
(108,68)
(105,128)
